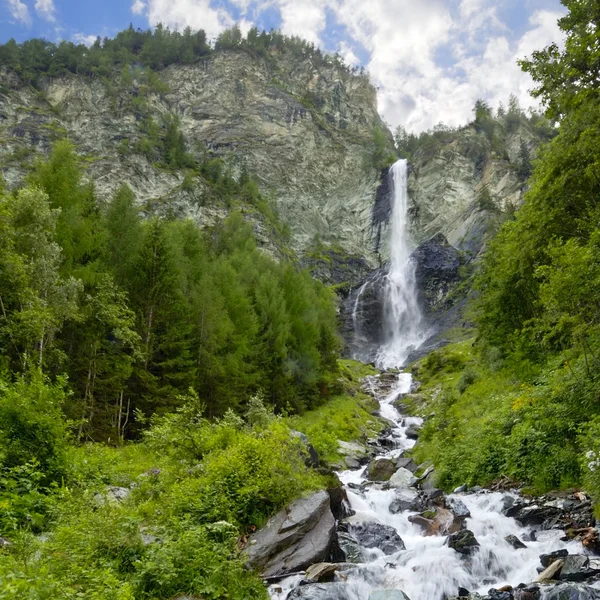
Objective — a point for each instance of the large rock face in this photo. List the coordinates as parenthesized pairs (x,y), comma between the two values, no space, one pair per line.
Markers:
(306,131)
(295,538)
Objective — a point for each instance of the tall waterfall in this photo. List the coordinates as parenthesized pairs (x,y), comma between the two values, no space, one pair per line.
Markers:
(404,329)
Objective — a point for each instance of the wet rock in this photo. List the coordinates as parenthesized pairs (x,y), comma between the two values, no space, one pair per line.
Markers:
(463,542)
(320,571)
(402,479)
(461,489)
(412,432)
(404,501)
(437,521)
(458,507)
(576,567)
(534,514)
(515,542)
(320,591)
(523,592)
(406,463)
(388,595)
(529,536)
(349,547)
(494,594)
(339,503)
(377,535)
(296,537)
(381,469)
(548,559)
(568,591)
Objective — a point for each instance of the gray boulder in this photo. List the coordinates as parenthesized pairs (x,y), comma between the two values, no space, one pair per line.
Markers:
(577,567)
(569,591)
(377,535)
(406,463)
(405,500)
(388,595)
(296,537)
(515,542)
(402,479)
(381,469)
(320,591)
(458,507)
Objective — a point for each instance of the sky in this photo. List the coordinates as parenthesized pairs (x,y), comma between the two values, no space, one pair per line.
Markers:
(430,60)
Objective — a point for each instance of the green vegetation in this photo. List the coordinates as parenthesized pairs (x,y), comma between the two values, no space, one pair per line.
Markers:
(523,402)
(153,49)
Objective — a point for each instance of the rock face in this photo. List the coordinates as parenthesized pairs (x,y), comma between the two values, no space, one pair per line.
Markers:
(305,131)
(296,537)
(376,535)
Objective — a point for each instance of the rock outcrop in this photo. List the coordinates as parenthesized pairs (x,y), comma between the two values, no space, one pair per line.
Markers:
(305,130)
(295,538)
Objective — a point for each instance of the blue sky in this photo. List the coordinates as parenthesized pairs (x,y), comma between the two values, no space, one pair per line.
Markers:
(430,59)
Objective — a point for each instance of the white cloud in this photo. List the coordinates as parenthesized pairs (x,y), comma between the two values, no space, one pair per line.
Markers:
(197,14)
(138,7)
(19,11)
(430,59)
(46,10)
(87,40)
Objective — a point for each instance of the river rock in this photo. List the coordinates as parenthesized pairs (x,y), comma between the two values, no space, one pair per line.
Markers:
(569,591)
(458,507)
(405,500)
(377,535)
(406,463)
(463,542)
(381,469)
(350,548)
(576,567)
(461,489)
(547,559)
(515,542)
(494,594)
(318,572)
(402,479)
(354,454)
(527,592)
(412,432)
(320,591)
(388,595)
(296,537)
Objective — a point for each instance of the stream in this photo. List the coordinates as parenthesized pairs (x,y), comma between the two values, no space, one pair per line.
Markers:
(428,569)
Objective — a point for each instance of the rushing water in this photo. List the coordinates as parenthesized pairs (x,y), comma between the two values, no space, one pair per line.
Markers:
(429,569)
(404,330)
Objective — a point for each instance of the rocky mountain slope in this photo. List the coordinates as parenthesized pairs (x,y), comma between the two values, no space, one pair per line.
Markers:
(305,130)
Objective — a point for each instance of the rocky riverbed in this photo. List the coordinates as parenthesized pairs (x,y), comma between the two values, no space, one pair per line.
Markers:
(388,533)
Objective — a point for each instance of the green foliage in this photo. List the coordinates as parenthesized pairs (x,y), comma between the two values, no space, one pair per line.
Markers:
(383,152)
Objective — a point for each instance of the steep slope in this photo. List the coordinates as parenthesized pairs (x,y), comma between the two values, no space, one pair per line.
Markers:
(304,129)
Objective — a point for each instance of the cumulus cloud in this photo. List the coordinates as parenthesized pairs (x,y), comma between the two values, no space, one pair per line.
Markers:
(138,7)
(198,14)
(19,11)
(430,59)
(82,38)
(46,10)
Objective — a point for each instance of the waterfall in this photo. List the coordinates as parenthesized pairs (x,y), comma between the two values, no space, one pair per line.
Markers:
(404,330)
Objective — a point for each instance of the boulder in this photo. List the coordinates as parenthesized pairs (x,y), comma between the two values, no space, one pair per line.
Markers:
(577,567)
(463,542)
(377,535)
(461,489)
(515,542)
(494,594)
(350,548)
(296,537)
(406,463)
(318,572)
(527,592)
(320,591)
(402,479)
(405,500)
(547,559)
(437,521)
(458,507)
(388,595)
(354,454)
(569,591)
(412,432)
(381,469)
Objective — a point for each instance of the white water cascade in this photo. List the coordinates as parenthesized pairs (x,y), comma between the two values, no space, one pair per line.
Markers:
(428,569)
(404,329)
